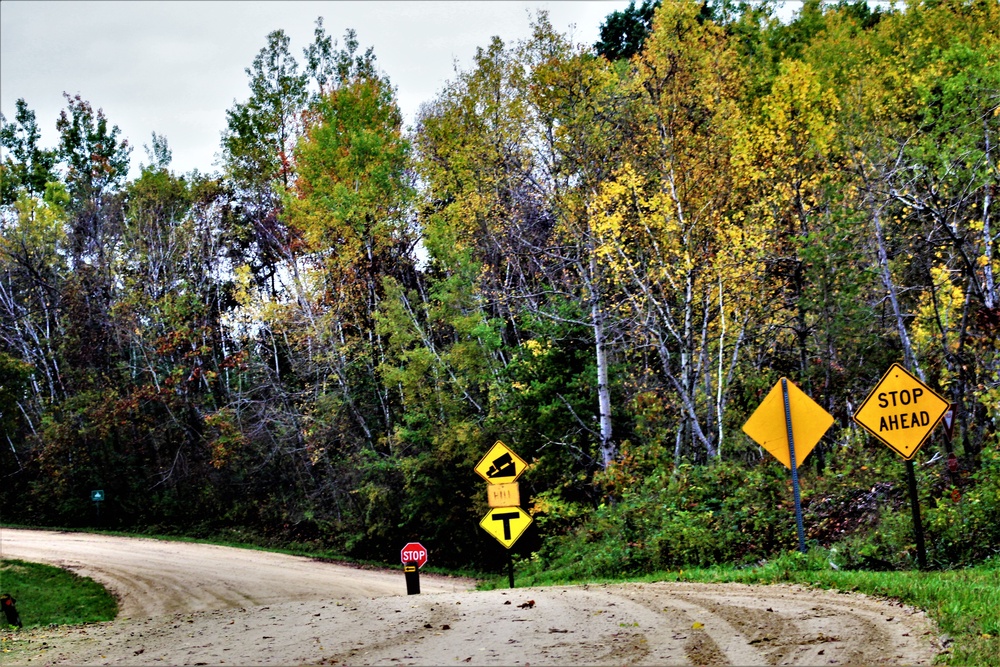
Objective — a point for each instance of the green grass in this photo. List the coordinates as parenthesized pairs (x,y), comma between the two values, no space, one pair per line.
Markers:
(965,603)
(47,595)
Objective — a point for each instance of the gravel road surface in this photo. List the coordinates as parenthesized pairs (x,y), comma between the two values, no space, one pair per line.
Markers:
(195,604)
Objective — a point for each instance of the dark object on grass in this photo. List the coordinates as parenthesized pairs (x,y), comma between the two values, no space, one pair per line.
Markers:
(10,610)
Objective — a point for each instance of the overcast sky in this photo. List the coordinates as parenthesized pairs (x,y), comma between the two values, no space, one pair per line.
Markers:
(174,68)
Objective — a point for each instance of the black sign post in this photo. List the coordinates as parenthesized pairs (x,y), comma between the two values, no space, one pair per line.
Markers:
(412,573)
(414,557)
(796,494)
(918,526)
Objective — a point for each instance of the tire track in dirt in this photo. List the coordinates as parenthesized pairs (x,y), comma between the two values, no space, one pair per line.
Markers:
(807,626)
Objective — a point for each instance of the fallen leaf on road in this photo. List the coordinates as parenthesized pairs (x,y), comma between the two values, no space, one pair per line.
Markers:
(697,626)
(527,605)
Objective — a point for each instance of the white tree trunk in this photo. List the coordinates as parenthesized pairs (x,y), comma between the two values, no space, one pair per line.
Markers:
(890,287)
(600,350)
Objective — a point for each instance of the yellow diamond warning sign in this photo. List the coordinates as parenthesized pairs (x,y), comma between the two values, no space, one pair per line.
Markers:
(506,524)
(901,411)
(768,428)
(500,465)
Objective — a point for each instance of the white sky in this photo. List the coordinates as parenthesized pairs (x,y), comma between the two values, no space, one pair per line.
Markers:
(174,68)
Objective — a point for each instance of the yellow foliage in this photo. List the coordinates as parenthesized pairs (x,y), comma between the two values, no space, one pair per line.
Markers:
(537,349)
(938,314)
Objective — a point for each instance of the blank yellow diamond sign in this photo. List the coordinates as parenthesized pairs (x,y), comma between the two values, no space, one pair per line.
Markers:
(901,411)
(768,429)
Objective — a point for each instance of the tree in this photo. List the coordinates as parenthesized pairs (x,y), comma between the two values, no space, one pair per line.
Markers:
(924,132)
(330,67)
(97,165)
(667,220)
(623,32)
(350,209)
(25,166)
(257,157)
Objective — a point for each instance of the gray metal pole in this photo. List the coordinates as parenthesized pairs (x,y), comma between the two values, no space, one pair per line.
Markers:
(795,469)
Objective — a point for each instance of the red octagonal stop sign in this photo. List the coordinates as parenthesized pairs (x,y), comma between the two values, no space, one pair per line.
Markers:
(414,551)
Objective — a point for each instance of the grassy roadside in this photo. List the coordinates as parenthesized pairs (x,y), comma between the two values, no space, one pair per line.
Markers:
(964,603)
(48,595)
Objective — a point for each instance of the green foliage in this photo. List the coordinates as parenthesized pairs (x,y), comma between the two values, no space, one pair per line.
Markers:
(26,167)
(963,522)
(330,67)
(96,161)
(49,595)
(696,516)
(623,32)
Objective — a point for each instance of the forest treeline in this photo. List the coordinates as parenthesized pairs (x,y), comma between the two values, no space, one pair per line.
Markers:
(604,256)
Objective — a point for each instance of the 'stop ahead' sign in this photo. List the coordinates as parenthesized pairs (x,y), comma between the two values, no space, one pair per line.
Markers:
(901,411)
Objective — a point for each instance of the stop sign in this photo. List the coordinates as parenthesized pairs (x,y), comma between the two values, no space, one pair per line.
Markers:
(414,551)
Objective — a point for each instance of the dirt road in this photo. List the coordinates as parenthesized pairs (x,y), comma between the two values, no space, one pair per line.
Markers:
(190,604)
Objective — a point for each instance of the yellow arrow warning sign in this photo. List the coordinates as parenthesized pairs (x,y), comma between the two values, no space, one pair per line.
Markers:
(768,429)
(500,465)
(901,411)
(506,524)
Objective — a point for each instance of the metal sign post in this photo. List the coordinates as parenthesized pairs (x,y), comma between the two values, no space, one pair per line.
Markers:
(795,469)
(918,526)
(97,495)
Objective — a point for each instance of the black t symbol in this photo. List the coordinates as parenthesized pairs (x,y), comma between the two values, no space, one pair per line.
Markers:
(506,517)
